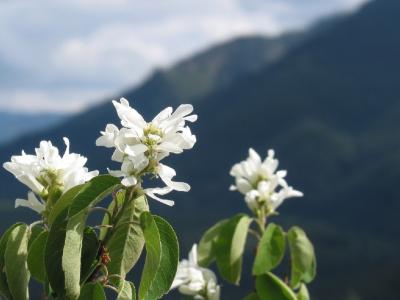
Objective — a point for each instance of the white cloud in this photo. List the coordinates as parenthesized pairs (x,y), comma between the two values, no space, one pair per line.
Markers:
(86,48)
(38,101)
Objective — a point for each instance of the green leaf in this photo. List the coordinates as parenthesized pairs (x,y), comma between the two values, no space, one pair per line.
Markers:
(271,250)
(303,262)
(64,202)
(16,262)
(252,296)
(36,230)
(71,255)
(169,260)
(206,249)
(126,243)
(153,253)
(119,199)
(92,291)
(126,290)
(53,253)
(230,247)
(4,290)
(91,193)
(90,250)
(270,287)
(36,254)
(303,293)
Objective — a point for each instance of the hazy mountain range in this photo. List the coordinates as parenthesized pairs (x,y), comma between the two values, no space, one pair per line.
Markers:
(327,100)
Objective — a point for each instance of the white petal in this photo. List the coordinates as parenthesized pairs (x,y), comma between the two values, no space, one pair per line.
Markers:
(135,149)
(281,173)
(166,174)
(31,182)
(117,156)
(108,136)
(151,192)
(116,173)
(169,147)
(129,181)
(164,114)
(129,116)
(32,203)
(254,156)
(243,185)
(182,110)
(67,144)
(191,118)
(193,255)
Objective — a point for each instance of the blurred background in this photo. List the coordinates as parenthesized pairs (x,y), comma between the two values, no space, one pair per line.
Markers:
(319,81)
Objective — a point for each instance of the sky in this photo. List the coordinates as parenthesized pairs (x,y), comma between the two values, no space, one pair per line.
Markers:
(66,55)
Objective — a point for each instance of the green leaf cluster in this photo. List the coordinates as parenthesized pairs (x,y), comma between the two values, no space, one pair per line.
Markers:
(225,243)
(76,261)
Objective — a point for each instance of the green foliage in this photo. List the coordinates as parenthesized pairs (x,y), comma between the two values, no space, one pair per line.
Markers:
(54,253)
(36,255)
(252,296)
(303,262)
(270,251)
(118,202)
(36,230)
(127,291)
(92,291)
(206,249)
(67,255)
(169,259)
(63,203)
(303,293)
(270,287)
(229,247)
(153,253)
(90,250)
(91,193)
(16,255)
(4,289)
(71,254)
(161,258)
(126,242)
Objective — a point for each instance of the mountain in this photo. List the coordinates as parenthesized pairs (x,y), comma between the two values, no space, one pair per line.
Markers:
(16,124)
(330,106)
(163,87)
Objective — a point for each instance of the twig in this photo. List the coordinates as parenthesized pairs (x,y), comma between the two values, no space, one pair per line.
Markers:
(255,234)
(103,210)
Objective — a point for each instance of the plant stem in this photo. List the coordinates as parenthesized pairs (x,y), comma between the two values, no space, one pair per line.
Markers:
(255,234)
(131,192)
(105,210)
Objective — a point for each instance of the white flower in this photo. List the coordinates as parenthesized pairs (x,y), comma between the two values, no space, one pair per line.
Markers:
(263,186)
(48,172)
(192,280)
(141,145)
(32,203)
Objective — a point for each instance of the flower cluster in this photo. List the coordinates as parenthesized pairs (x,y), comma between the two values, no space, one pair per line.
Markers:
(192,280)
(141,145)
(48,174)
(263,186)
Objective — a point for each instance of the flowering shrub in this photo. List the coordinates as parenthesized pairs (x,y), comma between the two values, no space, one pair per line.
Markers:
(73,260)
(264,189)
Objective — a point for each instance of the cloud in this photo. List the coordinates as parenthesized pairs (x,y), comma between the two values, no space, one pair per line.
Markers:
(90,48)
(39,101)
